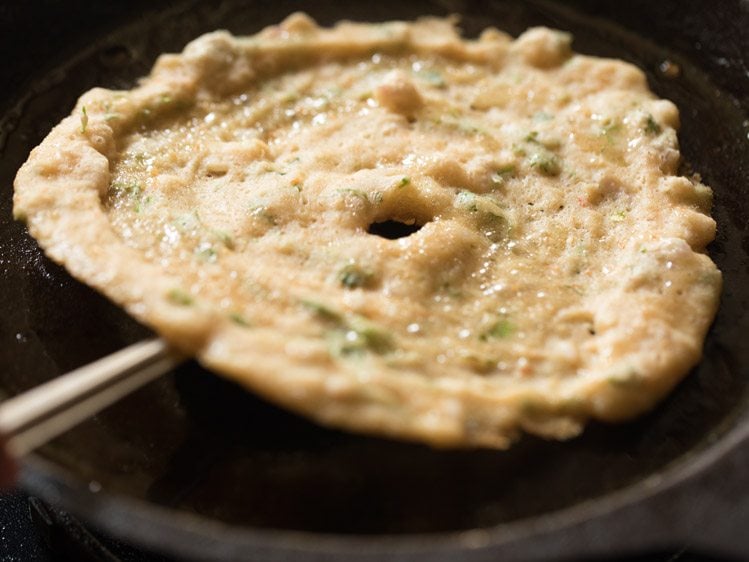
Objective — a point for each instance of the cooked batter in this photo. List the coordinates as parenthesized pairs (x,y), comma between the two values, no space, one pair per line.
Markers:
(391,229)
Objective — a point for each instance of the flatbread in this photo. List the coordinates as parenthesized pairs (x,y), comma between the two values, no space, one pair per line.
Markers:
(393,230)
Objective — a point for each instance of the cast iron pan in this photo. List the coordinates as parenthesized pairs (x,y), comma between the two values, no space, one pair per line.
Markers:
(193,466)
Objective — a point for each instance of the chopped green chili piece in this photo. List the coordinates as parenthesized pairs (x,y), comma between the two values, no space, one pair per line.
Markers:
(352,334)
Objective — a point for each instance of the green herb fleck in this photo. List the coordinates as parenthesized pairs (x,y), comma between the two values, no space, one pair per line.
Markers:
(353,276)
(651,126)
(142,203)
(467,200)
(358,339)
(322,311)
(405,180)
(354,193)
(350,334)
(501,329)
(132,189)
(610,126)
(262,212)
(609,129)
(239,320)
(84,119)
(464,125)
(545,162)
(450,290)
(290,97)
(375,197)
(206,253)
(374,338)
(187,222)
(503,173)
(225,238)
(180,297)
(468,126)
(487,214)
(109,114)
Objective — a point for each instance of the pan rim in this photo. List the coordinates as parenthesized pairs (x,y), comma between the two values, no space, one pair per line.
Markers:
(199,537)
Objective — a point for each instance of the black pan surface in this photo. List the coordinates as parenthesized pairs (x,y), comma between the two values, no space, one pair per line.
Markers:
(193,465)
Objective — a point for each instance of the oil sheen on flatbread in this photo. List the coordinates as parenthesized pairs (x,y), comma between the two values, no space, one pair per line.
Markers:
(391,229)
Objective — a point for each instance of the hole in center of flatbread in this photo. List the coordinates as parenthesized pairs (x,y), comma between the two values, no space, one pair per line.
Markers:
(392,229)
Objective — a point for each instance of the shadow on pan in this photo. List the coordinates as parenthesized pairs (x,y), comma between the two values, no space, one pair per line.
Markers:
(195,443)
